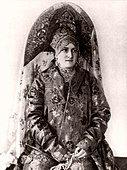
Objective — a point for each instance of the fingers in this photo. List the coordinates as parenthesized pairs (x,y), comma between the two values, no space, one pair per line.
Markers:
(79,153)
(83,155)
(77,150)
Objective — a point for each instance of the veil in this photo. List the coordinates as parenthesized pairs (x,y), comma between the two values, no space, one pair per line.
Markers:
(39,56)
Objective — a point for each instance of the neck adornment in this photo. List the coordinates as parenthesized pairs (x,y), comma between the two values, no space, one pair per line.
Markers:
(67,74)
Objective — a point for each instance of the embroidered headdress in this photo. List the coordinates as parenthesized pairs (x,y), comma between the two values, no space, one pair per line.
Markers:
(63,34)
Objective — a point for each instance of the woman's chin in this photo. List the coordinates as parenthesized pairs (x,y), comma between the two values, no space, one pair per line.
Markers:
(69,66)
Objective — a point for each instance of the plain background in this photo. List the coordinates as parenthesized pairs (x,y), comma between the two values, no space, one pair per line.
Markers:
(109,18)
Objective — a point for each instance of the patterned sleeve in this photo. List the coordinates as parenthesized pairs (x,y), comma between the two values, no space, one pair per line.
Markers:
(41,131)
(100,115)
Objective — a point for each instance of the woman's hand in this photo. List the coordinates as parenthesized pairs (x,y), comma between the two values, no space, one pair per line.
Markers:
(79,153)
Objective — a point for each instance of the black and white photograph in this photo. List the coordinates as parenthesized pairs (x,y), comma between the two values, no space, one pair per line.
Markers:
(63,85)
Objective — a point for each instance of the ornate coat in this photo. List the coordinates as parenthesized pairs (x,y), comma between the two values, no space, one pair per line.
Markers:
(63,115)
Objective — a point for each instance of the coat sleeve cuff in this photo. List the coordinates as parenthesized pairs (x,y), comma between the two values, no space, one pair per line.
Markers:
(85,144)
(59,153)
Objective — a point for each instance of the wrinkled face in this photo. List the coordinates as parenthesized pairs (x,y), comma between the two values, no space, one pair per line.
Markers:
(67,55)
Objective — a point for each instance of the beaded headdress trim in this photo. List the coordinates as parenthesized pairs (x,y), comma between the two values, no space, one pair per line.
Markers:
(62,34)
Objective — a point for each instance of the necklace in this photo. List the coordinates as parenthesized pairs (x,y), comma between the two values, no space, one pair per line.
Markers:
(67,73)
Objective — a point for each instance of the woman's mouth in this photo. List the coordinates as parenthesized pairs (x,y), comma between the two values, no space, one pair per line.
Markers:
(69,60)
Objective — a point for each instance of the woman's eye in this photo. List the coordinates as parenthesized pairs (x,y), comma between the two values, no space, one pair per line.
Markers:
(74,50)
(65,49)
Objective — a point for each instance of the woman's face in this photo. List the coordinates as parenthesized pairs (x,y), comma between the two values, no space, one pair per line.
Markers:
(67,56)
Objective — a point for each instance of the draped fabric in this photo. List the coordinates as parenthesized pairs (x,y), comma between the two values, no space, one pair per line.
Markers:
(39,57)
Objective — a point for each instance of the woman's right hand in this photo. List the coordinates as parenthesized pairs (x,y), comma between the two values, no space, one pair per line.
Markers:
(79,153)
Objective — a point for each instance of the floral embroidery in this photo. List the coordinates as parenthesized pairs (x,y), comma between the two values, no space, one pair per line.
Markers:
(71,100)
(55,99)
(26,90)
(79,107)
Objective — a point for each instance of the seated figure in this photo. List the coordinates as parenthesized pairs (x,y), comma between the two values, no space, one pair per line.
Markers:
(65,111)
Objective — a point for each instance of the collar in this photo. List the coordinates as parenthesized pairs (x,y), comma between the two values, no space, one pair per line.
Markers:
(76,79)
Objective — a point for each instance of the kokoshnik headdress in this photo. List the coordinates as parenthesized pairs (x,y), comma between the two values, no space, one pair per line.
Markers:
(63,34)
(39,55)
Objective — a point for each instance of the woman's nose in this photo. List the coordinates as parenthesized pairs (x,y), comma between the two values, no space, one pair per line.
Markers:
(69,54)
